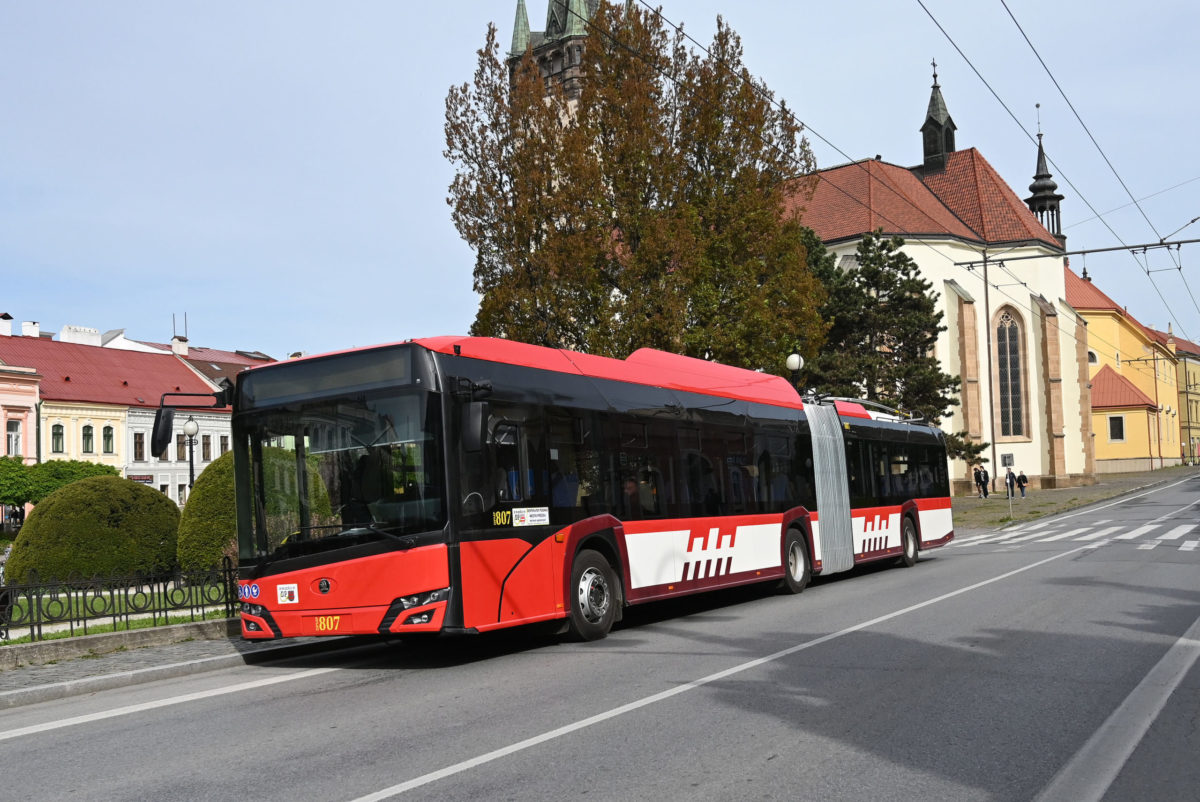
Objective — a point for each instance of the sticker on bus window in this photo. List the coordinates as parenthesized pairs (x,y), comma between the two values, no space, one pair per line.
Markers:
(289,594)
(531,516)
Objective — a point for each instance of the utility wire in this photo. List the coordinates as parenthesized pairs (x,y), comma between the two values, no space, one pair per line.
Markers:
(1022,305)
(1081,196)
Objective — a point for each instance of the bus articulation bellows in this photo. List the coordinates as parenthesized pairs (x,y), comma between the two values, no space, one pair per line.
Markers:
(464,484)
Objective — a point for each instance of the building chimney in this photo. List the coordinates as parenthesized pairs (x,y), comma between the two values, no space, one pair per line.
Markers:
(5,324)
(179,345)
(30,328)
(80,335)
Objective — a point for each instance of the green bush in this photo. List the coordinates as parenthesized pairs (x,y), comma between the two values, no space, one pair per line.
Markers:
(208,525)
(101,526)
(46,477)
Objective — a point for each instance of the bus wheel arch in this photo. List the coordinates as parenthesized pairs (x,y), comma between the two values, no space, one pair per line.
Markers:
(797,560)
(595,595)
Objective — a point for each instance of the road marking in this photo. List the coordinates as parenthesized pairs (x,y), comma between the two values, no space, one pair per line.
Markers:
(173,700)
(1177,532)
(537,740)
(1146,546)
(1189,545)
(1141,530)
(1025,537)
(1100,534)
(1091,772)
(1065,535)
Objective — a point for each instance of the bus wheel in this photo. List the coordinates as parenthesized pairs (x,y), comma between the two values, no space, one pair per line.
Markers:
(797,569)
(594,597)
(908,538)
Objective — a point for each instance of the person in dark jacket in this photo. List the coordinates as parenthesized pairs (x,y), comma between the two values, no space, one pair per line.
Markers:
(1021,482)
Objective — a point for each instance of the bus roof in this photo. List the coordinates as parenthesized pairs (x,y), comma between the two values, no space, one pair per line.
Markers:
(645,366)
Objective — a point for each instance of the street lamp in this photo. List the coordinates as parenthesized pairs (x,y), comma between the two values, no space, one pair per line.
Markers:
(794,363)
(190,427)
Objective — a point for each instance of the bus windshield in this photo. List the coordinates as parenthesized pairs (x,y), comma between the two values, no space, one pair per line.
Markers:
(340,472)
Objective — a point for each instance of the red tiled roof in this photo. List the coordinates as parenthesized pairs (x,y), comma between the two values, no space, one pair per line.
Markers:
(976,193)
(968,200)
(1181,345)
(1110,390)
(856,198)
(246,358)
(91,374)
(1086,296)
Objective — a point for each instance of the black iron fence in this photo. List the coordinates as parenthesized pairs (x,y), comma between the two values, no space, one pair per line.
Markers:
(83,606)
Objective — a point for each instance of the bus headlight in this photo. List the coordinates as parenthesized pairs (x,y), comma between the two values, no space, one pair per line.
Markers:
(422,599)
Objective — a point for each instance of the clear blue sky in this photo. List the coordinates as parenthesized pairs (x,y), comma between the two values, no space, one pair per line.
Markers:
(274,169)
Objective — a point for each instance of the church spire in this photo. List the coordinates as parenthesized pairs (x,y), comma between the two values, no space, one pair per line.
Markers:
(520,40)
(938,131)
(1044,200)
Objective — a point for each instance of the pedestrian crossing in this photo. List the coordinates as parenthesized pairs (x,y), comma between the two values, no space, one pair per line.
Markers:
(1152,535)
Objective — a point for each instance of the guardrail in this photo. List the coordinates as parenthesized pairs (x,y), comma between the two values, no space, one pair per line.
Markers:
(81,606)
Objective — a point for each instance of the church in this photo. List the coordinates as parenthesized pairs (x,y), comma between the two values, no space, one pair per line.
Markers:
(997,265)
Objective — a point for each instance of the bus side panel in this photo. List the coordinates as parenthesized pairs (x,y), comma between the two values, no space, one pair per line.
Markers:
(529,591)
(670,558)
(486,565)
(935,525)
(876,532)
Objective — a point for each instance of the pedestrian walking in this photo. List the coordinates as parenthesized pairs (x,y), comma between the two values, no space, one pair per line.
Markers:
(1010,484)
(985,480)
(978,482)
(1021,482)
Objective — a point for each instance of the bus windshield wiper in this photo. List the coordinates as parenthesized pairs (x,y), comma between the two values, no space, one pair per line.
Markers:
(382,530)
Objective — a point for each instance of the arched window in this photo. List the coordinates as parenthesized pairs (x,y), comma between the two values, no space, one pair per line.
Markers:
(89,440)
(1092,358)
(56,438)
(1009,355)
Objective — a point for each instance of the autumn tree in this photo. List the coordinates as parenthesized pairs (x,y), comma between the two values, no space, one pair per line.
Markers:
(647,211)
(884,322)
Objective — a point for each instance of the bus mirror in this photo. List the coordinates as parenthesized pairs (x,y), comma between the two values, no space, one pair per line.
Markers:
(474,414)
(164,422)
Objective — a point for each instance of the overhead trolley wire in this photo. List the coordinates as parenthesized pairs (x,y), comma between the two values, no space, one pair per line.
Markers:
(1025,306)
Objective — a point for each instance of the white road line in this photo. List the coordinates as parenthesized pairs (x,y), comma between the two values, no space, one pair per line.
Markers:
(173,700)
(1177,532)
(1024,538)
(537,740)
(1090,773)
(1102,533)
(1146,546)
(1141,530)
(1065,535)
(1189,545)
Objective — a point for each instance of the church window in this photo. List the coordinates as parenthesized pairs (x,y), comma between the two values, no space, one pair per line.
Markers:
(1009,368)
(1092,358)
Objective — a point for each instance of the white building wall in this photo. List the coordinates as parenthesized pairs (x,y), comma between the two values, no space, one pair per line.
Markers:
(171,473)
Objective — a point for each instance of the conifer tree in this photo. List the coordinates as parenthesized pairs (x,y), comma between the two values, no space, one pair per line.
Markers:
(884,323)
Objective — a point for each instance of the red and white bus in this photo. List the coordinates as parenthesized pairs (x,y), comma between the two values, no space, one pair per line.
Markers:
(464,484)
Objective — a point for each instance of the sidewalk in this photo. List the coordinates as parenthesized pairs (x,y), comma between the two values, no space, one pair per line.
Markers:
(973,514)
(56,669)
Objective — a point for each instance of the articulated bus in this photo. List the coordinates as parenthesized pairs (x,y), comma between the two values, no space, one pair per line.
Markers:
(464,484)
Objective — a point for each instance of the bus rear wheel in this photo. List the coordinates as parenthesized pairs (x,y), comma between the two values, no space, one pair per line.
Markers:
(594,597)
(908,539)
(797,569)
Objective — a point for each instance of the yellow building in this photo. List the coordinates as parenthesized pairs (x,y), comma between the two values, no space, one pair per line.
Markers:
(1135,385)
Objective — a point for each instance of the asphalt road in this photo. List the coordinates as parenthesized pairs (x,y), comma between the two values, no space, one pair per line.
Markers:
(1053,661)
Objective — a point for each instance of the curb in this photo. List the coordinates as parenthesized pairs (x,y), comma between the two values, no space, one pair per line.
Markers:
(47,651)
(51,692)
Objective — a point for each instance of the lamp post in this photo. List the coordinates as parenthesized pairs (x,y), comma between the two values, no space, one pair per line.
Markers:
(190,427)
(794,363)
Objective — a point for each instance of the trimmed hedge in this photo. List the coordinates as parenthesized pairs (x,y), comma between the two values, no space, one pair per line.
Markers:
(208,525)
(101,526)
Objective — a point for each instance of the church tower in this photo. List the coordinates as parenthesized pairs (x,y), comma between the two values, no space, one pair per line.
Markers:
(558,50)
(1044,202)
(938,131)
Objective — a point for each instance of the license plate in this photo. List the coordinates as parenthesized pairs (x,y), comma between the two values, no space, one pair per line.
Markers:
(326,624)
